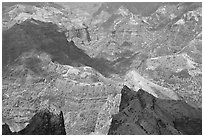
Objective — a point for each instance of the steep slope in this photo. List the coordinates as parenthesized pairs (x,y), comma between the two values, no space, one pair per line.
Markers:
(144,9)
(76,23)
(141,113)
(180,72)
(78,63)
(40,36)
(46,121)
(34,81)
(6,5)
(136,82)
(168,40)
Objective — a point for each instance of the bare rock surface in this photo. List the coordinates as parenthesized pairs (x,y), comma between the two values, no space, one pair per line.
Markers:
(47,121)
(77,57)
(142,113)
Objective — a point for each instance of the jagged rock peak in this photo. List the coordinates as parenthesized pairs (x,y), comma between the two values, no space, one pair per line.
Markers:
(142,113)
(44,122)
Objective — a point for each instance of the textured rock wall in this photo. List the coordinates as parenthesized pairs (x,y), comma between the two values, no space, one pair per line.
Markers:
(142,113)
(47,121)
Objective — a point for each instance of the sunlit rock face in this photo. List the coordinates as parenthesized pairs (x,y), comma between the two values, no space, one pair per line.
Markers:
(47,69)
(75,91)
(69,64)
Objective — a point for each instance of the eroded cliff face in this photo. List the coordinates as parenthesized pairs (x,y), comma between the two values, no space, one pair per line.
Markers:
(141,113)
(78,64)
(126,113)
(47,121)
(80,92)
(46,37)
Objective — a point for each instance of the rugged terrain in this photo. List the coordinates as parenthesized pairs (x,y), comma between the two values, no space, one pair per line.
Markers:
(103,68)
(142,113)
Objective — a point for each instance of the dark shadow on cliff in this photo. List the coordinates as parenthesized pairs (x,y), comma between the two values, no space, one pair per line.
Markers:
(44,122)
(45,37)
(142,113)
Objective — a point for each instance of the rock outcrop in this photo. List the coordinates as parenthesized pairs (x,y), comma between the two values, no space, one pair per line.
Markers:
(78,63)
(44,122)
(141,113)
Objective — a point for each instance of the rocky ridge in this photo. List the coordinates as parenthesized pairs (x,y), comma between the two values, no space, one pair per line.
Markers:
(141,113)
(84,78)
(47,121)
